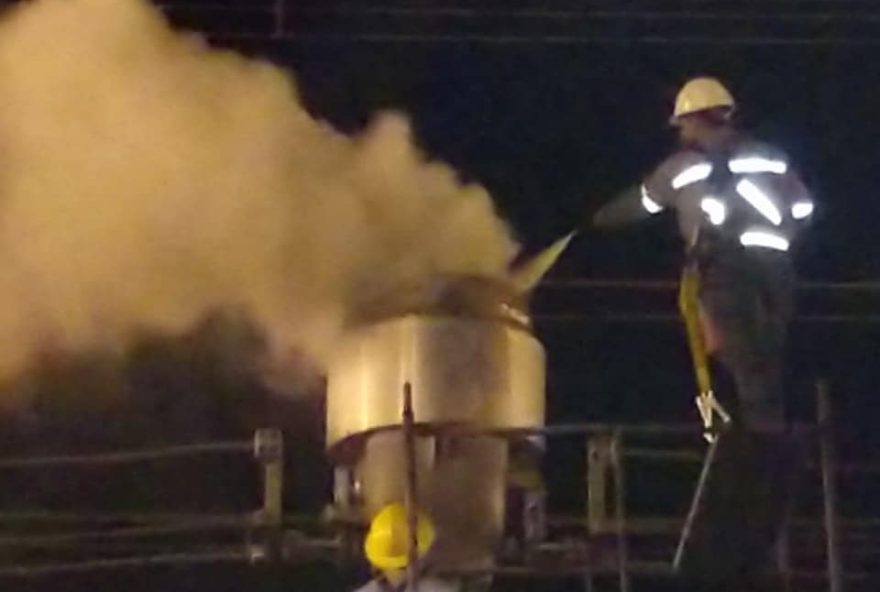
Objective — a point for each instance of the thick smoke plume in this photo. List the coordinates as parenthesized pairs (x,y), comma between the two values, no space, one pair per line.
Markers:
(147,180)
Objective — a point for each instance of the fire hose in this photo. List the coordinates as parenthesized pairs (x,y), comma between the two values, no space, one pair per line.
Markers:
(528,275)
(707,404)
(689,305)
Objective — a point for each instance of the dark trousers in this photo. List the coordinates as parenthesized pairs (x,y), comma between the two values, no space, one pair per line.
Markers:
(746,501)
(748,298)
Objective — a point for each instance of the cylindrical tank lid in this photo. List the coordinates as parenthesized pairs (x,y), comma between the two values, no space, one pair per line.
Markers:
(477,297)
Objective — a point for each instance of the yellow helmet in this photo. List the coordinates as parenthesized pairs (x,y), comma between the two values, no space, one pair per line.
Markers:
(701,94)
(387,541)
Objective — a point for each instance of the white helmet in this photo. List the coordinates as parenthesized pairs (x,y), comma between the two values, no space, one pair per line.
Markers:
(701,94)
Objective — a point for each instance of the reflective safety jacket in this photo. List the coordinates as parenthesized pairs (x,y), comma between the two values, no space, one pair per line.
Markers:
(744,192)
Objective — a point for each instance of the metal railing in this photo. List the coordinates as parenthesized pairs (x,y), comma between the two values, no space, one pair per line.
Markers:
(142,538)
(269,534)
(607,514)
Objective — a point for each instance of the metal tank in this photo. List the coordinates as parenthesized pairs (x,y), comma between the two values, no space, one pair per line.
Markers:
(466,347)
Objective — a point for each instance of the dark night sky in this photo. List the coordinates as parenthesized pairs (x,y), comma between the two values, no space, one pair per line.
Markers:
(554,128)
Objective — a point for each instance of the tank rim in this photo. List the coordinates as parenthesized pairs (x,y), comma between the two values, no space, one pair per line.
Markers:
(462,296)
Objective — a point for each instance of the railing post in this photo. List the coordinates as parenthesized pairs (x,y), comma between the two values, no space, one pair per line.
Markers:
(269,450)
(829,485)
(598,465)
(534,517)
(620,510)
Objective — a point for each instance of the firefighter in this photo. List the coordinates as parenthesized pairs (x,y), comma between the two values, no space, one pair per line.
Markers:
(386,547)
(739,206)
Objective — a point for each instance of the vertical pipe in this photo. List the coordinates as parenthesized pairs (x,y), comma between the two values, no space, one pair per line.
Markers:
(411,492)
(829,486)
(620,511)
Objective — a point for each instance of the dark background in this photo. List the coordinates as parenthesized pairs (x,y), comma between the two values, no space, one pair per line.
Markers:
(554,106)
